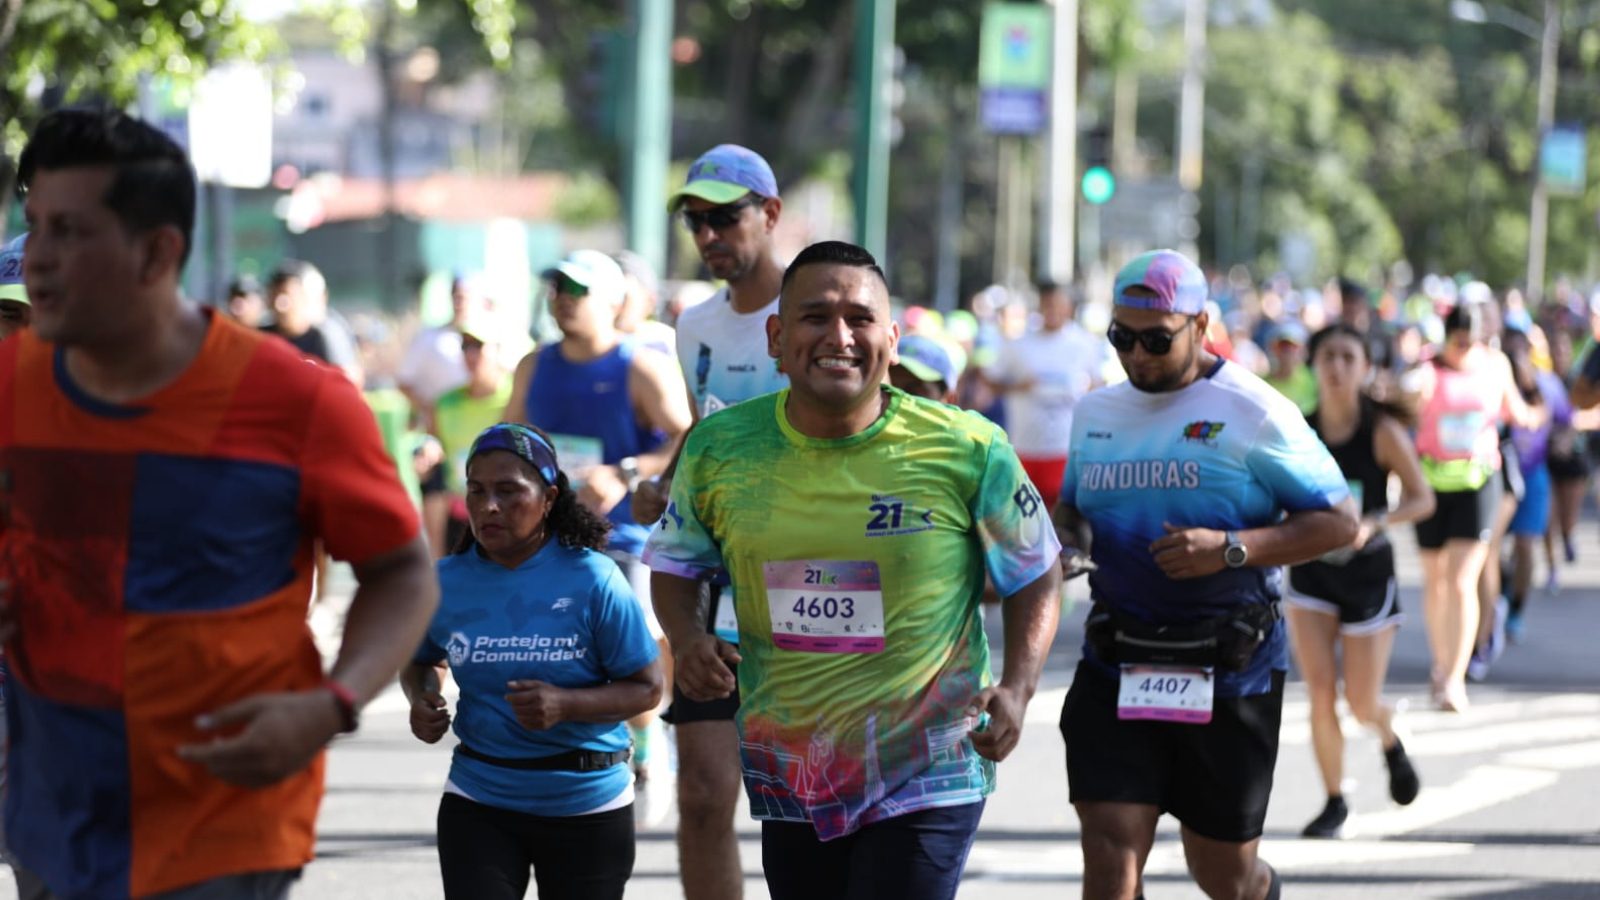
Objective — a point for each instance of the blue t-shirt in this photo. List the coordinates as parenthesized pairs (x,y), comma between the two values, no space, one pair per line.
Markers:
(565,617)
(1228,453)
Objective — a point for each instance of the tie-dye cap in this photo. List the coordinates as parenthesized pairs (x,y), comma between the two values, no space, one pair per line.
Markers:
(1179,284)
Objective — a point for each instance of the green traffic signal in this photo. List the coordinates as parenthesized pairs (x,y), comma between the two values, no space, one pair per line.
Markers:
(1098,184)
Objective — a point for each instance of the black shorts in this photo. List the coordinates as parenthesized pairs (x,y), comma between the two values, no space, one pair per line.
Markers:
(1463,515)
(1568,467)
(683,710)
(1362,592)
(1214,778)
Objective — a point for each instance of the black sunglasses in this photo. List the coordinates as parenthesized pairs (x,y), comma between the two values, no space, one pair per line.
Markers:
(718,217)
(1156,341)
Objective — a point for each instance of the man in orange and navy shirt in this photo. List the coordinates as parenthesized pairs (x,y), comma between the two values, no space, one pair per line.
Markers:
(164,473)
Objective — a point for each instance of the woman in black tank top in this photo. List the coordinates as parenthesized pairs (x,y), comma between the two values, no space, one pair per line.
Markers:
(1349,598)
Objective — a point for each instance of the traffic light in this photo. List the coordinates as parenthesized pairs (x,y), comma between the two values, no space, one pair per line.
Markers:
(1098,183)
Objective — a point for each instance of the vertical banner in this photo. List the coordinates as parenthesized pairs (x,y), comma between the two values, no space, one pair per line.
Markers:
(1014,67)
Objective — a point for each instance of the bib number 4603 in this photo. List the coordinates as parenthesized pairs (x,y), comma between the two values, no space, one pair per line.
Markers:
(824,607)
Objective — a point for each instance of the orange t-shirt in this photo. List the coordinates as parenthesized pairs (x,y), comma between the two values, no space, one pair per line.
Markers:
(161,560)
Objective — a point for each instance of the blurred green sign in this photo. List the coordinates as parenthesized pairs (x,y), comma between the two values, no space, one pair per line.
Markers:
(1014,51)
(1014,67)
(1564,160)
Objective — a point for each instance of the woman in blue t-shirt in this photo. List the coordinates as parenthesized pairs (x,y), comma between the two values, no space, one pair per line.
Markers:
(552,654)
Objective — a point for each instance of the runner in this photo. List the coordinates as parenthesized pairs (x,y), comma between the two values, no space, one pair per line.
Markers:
(551,653)
(245,302)
(615,415)
(299,297)
(1042,376)
(730,206)
(637,315)
(433,365)
(1461,396)
(1198,482)
(166,474)
(462,413)
(857,523)
(924,369)
(1532,520)
(1347,603)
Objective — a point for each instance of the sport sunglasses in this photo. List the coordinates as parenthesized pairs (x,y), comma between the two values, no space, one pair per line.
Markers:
(1156,341)
(717,217)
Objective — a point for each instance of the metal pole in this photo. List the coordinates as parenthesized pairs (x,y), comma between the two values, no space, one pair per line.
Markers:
(1061,192)
(1539,208)
(869,176)
(1005,162)
(947,268)
(1192,108)
(650,131)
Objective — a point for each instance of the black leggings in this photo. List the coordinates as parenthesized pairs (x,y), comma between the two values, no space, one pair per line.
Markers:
(485,852)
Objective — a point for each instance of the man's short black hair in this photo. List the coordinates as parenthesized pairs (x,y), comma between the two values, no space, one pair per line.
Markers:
(1351,291)
(836,253)
(1045,286)
(154,184)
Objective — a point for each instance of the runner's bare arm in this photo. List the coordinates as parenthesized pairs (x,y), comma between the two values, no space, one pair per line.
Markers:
(538,704)
(280,733)
(661,400)
(1301,536)
(700,658)
(516,410)
(1396,453)
(1031,616)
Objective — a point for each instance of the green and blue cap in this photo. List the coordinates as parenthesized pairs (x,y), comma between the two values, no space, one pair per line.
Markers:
(1179,285)
(926,360)
(723,174)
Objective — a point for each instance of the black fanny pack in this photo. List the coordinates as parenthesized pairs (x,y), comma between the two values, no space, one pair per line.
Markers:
(1226,642)
(571,761)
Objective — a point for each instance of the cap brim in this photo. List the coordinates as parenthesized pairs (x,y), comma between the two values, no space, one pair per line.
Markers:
(707,190)
(14,292)
(920,371)
(578,274)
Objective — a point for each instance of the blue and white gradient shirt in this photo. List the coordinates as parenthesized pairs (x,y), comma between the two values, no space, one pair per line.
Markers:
(1226,452)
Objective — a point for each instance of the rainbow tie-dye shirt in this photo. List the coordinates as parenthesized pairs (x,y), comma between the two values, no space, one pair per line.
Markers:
(920,506)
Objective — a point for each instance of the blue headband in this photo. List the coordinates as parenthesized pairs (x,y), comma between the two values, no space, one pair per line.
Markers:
(527,444)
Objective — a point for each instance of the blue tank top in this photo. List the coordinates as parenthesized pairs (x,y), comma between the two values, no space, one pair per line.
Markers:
(590,400)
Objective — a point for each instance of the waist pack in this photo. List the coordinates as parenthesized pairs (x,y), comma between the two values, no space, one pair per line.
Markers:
(1227,642)
(570,761)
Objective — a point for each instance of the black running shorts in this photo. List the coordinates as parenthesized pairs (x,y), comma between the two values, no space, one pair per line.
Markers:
(1214,778)
(1464,515)
(1362,592)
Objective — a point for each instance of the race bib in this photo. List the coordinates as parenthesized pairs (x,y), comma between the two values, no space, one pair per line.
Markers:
(825,606)
(1458,432)
(577,455)
(726,624)
(1166,694)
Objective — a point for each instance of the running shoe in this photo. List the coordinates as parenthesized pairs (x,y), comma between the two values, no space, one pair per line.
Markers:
(1330,822)
(1552,584)
(1404,785)
(1514,627)
(1477,671)
(1496,645)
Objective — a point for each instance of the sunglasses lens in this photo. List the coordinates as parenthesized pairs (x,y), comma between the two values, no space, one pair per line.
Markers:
(718,218)
(1157,343)
(1122,341)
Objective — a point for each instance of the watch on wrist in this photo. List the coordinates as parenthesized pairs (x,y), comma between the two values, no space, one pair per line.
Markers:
(1234,552)
(629,467)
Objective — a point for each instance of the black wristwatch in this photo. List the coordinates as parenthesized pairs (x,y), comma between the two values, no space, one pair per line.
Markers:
(1234,552)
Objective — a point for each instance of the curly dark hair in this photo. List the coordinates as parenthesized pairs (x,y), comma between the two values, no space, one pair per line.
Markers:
(572,523)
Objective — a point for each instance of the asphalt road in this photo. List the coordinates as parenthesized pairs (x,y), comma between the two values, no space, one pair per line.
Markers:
(1510,807)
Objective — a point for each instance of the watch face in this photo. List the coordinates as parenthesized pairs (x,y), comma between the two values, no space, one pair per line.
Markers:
(1234,555)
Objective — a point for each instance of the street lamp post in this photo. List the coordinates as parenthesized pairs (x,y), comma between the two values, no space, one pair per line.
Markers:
(1548,34)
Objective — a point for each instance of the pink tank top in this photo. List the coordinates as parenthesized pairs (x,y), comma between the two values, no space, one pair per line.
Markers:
(1461,418)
